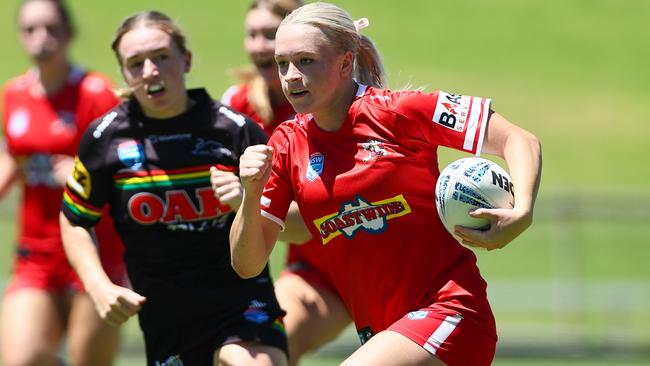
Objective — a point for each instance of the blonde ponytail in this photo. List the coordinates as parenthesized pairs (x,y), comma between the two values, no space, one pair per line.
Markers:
(343,32)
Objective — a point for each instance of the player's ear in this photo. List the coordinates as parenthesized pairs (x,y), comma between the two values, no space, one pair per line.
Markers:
(347,63)
(188,60)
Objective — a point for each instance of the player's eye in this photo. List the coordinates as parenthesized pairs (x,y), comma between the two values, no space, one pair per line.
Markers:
(306,61)
(135,66)
(270,34)
(282,64)
(54,30)
(160,57)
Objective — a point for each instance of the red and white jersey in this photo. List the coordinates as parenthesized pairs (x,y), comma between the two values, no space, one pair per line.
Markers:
(236,97)
(38,126)
(367,192)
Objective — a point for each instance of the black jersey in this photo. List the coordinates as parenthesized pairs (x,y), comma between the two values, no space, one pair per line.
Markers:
(155,176)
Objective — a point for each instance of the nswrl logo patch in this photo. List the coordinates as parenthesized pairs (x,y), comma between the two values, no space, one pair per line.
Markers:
(131,154)
(315,168)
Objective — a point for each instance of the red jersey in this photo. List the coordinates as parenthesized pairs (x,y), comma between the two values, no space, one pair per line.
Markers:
(236,97)
(298,254)
(367,192)
(38,126)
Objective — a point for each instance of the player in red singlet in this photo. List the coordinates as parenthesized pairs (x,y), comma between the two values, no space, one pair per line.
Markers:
(304,288)
(45,112)
(361,162)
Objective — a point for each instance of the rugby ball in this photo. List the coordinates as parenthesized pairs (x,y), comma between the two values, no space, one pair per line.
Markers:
(471,183)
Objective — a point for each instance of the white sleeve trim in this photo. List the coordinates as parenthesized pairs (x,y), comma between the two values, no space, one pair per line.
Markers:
(226,98)
(361,90)
(484,123)
(273,218)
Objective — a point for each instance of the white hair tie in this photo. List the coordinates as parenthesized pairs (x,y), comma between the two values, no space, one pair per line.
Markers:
(360,24)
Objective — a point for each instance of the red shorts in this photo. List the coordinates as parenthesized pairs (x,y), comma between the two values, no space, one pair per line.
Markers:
(303,261)
(44,270)
(452,338)
(43,264)
(49,270)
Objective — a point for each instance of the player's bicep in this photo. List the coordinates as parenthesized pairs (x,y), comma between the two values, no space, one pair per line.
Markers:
(496,135)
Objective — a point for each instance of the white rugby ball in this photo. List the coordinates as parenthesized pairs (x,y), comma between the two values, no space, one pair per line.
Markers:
(471,183)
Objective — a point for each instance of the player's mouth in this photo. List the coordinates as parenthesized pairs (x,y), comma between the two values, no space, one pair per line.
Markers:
(297,93)
(264,62)
(155,89)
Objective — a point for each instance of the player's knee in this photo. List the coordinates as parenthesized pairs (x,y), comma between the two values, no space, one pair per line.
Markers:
(29,357)
(249,354)
(94,353)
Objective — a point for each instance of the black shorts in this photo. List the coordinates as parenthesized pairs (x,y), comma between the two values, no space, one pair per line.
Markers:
(194,344)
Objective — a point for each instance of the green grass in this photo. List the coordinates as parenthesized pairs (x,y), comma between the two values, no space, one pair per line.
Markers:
(574,72)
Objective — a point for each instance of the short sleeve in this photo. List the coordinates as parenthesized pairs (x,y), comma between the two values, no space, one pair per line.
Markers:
(451,120)
(89,185)
(226,98)
(278,192)
(100,90)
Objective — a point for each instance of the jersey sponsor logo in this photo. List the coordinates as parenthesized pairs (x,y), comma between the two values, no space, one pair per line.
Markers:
(94,84)
(452,111)
(18,123)
(315,166)
(79,180)
(256,312)
(383,98)
(38,170)
(65,124)
(418,315)
(211,148)
(365,334)
(154,139)
(360,214)
(174,360)
(67,117)
(375,149)
(235,117)
(131,154)
(147,208)
(104,124)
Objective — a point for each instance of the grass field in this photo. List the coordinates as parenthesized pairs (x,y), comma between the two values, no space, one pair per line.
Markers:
(574,72)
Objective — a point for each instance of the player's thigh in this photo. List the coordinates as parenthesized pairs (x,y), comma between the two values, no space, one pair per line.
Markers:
(91,341)
(310,307)
(249,353)
(389,348)
(32,327)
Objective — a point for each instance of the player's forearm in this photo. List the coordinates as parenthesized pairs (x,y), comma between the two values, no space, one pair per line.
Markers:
(248,245)
(8,172)
(295,229)
(523,153)
(82,254)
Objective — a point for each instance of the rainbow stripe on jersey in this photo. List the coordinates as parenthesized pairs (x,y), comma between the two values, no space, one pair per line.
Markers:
(79,207)
(146,179)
